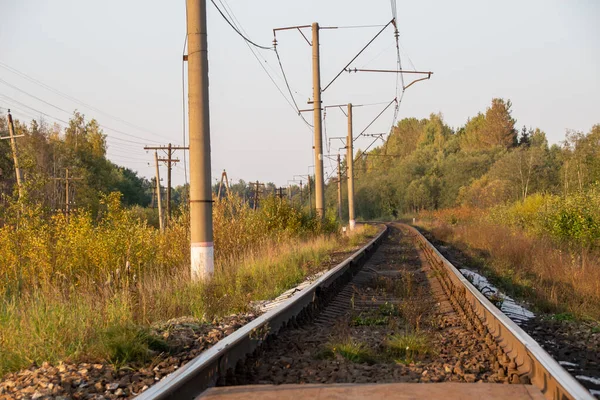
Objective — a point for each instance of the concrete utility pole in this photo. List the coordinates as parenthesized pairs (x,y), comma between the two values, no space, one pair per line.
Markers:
(15,150)
(339,185)
(158,197)
(350,169)
(202,246)
(319,178)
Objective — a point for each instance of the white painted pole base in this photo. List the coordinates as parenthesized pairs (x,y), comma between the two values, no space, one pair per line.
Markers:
(352,224)
(203,261)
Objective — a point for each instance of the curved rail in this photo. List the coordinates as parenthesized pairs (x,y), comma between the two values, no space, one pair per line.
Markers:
(520,357)
(204,371)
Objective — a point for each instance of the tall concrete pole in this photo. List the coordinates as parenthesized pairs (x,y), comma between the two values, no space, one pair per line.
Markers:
(158,195)
(339,185)
(15,151)
(202,247)
(350,169)
(319,179)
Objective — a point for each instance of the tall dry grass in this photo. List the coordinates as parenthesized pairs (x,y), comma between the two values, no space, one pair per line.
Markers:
(555,277)
(87,288)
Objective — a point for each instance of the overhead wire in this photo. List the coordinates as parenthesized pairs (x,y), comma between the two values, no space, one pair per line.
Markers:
(358,26)
(239,27)
(74,99)
(231,14)
(357,55)
(65,122)
(67,112)
(290,90)
(237,31)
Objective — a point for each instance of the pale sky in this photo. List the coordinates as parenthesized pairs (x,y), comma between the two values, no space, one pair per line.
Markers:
(123,58)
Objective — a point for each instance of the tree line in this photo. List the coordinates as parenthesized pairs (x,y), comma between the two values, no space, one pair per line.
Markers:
(425,165)
(47,150)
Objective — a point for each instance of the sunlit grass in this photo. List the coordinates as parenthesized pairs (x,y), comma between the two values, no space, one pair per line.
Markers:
(87,290)
(408,346)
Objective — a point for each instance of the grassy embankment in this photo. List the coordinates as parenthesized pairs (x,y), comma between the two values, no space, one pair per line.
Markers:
(90,290)
(545,249)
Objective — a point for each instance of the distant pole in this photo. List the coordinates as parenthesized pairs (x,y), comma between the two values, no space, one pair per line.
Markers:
(309,197)
(255,205)
(319,179)
(169,166)
(300,193)
(350,170)
(169,160)
(339,187)
(202,246)
(158,196)
(15,150)
(67,209)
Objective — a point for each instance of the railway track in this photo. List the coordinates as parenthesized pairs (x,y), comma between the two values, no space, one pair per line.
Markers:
(395,311)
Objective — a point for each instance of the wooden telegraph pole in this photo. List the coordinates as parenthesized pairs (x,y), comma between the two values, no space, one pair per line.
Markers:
(15,151)
(158,194)
(169,161)
(67,180)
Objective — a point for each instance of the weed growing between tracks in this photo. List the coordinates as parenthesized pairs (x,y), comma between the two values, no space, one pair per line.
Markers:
(408,346)
(87,290)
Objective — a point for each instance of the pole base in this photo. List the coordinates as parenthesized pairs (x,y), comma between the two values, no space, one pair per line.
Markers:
(203,261)
(352,224)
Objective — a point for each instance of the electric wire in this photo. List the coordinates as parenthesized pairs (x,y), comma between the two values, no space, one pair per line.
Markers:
(231,14)
(236,30)
(239,27)
(357,55)
(355,26)
(74,99)
(290,90)
(65,122)
(65,111)
(376,118)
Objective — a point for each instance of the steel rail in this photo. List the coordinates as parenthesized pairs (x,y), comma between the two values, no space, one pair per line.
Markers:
(519,355)
(204,371)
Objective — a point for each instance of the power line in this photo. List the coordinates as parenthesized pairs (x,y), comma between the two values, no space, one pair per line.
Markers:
(294,106)
(236,30)
(63,121)
(74,99)
(231,14)
(290,90)
(358,54)
(65,111)
(357,26)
